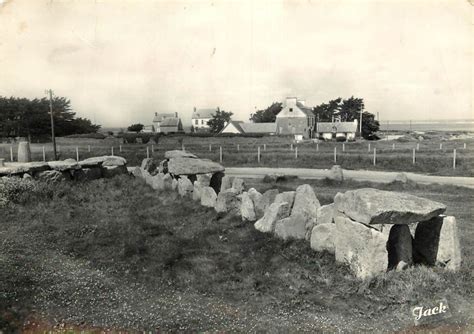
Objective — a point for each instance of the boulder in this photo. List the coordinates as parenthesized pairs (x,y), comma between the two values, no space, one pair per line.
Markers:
(185,187)
(267,198)
(21,168)
(238,184)
(24,152)
(373,206)
(326,214)
(335,173)
(50,176)
(306,204)
(147,177)
(208,197)
(186,166)
(149,165)
(254,195)
(437,243)
(401,178)
(197,191)
(228,201)
(292,227)
(27,176)
(136,171)
(322,237)
(226,182)
(168,181)
(361,247)
(61,166)
(274,213)
(87,174)
(247,209)
(399,246)
(174,184)
(111,171)
(204,179)
(179,154)
(156,181)
(106,160)
(287,196)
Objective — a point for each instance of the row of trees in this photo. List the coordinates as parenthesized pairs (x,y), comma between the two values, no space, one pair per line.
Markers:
(22,117)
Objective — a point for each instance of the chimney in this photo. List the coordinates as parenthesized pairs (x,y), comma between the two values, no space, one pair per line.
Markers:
(156,114)
(176,114)
(194,109)
(303,102)
(291,101)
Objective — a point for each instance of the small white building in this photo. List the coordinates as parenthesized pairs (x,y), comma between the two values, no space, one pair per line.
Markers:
(200,118)
(337,130)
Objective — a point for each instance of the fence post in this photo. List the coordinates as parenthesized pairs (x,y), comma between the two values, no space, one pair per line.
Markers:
(152,148)
(11,153)
(296,152)
(335,154)
(147,152)
(417,146)
(77,153)
(258,154)
(210,147)
(375,156)
(182,147)
(414,156)
(120,148)
(291,147)
(369,148)
(464,146)
(220,154)
(88,148)
(393,146)
(44,154)
(264,147)
(454,159)
(112,151)
(440,146)
(343,147)
(238,147)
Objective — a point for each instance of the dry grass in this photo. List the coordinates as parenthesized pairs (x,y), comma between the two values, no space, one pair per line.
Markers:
(116,254)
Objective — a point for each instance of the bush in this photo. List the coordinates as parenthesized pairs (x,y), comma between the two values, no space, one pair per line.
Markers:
(96,135)
(15,190)
(131,138)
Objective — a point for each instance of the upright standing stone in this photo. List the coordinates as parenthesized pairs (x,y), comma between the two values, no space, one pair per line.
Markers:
(247,209)
(238,184)
(322,237)
(437,243)
(208,197)
(254,195)
(149,165)
(24,153)
(204,179)
(226,183)
(287,196)
(335,173)
(265,201)
(185,187)
(197,191)
(361,247)
(228,201)
(168,181)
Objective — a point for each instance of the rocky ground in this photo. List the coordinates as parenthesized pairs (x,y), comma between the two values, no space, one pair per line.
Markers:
(116,254)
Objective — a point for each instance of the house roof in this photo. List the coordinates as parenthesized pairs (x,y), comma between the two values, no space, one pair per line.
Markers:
(203,113)
(160,117)
(172,121)
(259,127)
(305,109)
(340,126)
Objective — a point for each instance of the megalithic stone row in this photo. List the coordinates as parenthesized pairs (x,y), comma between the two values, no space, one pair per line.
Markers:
(24,152)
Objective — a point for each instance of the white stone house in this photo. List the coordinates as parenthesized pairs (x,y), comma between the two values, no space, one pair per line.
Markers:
(200,118)
(337,130)
(295,119)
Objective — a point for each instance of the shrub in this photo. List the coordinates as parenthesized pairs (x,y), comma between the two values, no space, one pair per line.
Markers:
(88,135)
(15,190)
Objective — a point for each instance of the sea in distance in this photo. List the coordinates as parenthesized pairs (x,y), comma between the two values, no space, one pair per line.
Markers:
(428,125)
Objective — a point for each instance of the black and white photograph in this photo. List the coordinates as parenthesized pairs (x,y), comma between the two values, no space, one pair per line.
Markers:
(225,166)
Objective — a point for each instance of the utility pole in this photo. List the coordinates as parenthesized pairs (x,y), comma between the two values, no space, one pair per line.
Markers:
(50,93)
(360,124)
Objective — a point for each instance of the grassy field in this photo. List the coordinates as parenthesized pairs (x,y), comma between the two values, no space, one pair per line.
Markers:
(277,152)
(116,254)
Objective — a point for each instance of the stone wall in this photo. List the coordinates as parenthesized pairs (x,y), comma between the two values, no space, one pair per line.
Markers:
(370,230)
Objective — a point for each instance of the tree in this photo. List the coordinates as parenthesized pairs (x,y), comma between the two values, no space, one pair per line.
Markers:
(348,110)
(219,120)
(135,127)
(268,114)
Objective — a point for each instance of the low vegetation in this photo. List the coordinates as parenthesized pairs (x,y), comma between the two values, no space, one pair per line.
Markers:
(113,253)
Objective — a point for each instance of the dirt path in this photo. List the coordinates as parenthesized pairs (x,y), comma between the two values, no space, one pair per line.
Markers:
(358,175)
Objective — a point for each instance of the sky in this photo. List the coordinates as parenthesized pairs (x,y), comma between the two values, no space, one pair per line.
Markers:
(119,62)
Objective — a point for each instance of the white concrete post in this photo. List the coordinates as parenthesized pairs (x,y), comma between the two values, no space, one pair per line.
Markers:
(335,154)
(220,154)
(77,153)
(258,154)
(369,148)
(112,151)
(210,147)
(120,148)
(152,148)
(296,152)
(414,156)
(417,146)
(11,153)
(375,156)
(88,148)
(182,147)
(238,147)
(440,146)
(264,147)
(147,152)
(343,147)
(393,146)
(317,147)
(44,154)
(291,147)
(454,159)
(464,145)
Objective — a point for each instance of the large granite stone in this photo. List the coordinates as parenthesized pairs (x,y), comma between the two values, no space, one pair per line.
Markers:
(226,182)
(185,187)
(106,160)
(186,166)
(24,152)
(228,201)
(292,227)
(306,205)
(149,165)
(373,206)
(437,243)
(208,197)
(68,164)
(287,196)
(50,176)
(179,154)
(247,208)
(238,184)
(267,198)
(361,247)
(20,168)
(274,213)
(322,237)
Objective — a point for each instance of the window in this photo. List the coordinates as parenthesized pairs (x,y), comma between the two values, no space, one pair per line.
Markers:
(196,121)
(202,122)
(291,109)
